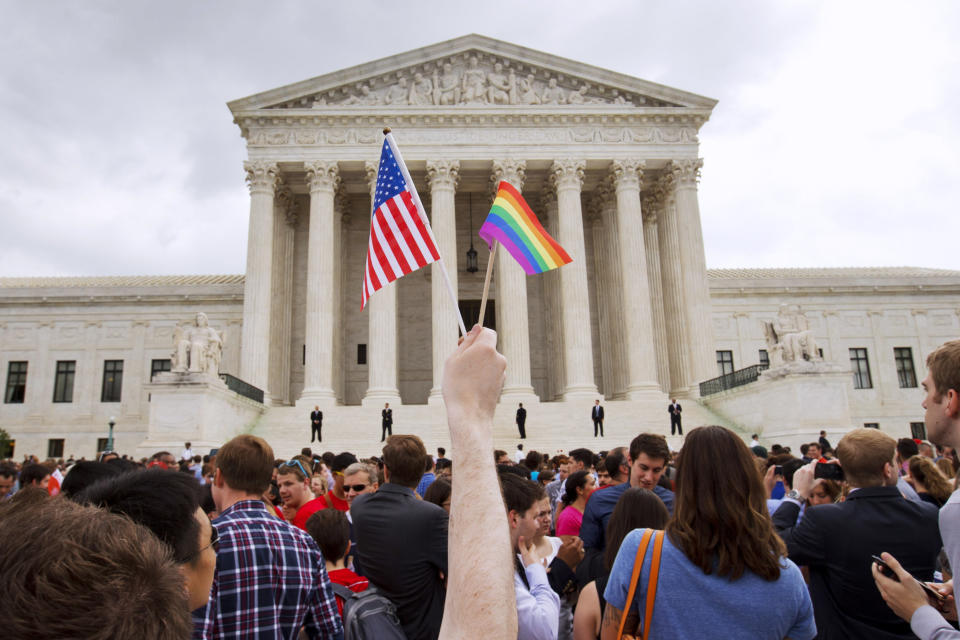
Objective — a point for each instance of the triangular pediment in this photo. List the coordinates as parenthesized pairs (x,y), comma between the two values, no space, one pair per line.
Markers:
(472,71)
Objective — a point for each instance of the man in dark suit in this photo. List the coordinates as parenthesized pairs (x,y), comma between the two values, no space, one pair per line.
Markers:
(522,421)
(835,541)
(404,540)
(596,414)
(316,422)
(824,443)
(386,422)
(674,409)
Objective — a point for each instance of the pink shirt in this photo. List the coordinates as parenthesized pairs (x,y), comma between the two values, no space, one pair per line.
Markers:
(568,524)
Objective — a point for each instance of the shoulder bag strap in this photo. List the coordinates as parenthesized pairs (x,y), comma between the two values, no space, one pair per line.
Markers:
(637,565)
(652,582)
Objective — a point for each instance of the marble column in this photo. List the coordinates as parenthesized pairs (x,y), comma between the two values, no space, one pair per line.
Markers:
(135,371)
(443,176)
(323,178)
(89,373)
(671,272)
(641,359)
(703,357)
(652,206)
(567,178)
(341,219)
(382,339)
(40,375)
(281,313)
(262,177)
(551,289)
(513,324)
(606,253)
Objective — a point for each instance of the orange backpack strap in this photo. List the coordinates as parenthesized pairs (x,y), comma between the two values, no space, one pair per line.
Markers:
(652,582)
(637,565)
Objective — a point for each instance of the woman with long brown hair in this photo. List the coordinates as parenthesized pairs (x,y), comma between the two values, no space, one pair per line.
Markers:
(723,571)
(930,484)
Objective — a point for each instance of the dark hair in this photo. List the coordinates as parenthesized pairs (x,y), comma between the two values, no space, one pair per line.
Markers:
(438,492)
(803,448)
(444,463)
(306,451)
(166,503)
(907,448)
(519,494)
(546,476)
(720,519)
(83,474)
(7,470)
(584,456)
(789,468)
(342,461)
(441,451)
(614,460)
(81,572)
(206,499)
(404,457)
(637,508)
(532,461)
(428,463)
(652,444)
(497,454)
(246,463)
(576,480)
(331,530)
(33,472)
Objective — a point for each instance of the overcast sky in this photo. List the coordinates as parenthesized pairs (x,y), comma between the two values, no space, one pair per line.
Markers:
(834,143)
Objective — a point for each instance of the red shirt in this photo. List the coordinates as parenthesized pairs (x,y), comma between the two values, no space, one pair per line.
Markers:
(338,504)
(351,581)
(307,510)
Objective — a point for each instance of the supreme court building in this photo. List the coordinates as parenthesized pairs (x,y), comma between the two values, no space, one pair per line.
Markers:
(610,164)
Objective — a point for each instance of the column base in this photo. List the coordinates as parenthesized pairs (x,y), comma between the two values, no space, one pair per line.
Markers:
(645,391)
(580,392)
(436,397)
(526,395)
(322,398)
(377,397)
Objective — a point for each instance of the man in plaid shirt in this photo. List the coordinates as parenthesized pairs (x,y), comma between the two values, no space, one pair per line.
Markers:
(271,579)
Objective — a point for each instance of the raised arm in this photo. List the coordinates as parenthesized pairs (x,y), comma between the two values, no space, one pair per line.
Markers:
(480,592)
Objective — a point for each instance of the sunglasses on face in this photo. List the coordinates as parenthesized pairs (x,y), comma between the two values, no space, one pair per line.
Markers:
(358,488)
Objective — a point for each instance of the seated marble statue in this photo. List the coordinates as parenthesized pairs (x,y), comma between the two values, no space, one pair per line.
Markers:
(789,337)
(197,347)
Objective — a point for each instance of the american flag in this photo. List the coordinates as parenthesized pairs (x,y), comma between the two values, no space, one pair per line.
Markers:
(401,240)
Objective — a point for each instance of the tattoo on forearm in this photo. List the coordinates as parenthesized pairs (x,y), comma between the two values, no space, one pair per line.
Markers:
(611,616)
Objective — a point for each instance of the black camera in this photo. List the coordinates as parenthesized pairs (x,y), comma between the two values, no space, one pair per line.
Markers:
(828,471)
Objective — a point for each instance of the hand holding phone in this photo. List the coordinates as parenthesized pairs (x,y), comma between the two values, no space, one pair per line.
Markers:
(885,569)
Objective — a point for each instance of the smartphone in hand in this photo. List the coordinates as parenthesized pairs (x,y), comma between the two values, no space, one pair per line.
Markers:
(888,572)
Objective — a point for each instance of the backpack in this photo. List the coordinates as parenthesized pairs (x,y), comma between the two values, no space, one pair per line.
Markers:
(368,615)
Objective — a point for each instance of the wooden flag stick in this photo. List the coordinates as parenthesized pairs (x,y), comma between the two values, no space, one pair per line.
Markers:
(486,283)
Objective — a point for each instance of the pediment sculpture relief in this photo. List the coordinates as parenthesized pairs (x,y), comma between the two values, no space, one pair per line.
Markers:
(473,79)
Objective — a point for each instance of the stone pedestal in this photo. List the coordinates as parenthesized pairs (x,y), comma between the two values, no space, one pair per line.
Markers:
(196,408)
(791,404)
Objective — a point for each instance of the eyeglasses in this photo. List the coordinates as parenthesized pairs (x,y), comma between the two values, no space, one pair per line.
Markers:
(214,542)
(297,463)
(355,487)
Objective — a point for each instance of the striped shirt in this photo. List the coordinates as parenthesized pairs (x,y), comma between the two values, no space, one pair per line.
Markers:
(270,580)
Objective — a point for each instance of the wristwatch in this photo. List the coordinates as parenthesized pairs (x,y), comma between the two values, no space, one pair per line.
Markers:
(793,495)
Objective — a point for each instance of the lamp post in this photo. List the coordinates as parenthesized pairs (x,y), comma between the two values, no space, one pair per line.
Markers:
(112,422)
(471,252)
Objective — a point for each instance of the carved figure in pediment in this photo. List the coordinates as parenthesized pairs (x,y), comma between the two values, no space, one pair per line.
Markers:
(578,96)
(446,87)
(527,91)
(319,101)
(366,97)
(619,99)
(398,93)
(474,82)
(499,86)
(421,92)
(553,94)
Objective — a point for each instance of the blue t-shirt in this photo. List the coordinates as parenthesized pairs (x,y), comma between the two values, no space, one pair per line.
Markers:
(691,604)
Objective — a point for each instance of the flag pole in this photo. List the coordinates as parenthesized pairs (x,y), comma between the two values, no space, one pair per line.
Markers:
(486,282)
(426,222)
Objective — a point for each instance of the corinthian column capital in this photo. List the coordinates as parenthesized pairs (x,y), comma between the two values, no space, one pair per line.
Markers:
(686,172)
(262,176)
(627,174)
(443,174)
(567,173)
(322,176)
(510,170)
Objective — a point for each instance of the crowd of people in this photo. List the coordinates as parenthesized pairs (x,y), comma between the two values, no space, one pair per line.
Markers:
(723,538)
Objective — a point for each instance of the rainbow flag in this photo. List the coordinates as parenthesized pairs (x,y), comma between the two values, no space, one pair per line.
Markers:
(512,224)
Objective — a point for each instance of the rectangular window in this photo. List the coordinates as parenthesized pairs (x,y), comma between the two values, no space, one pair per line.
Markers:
(764,358)
(907,377)
(63,383)
(16,383)
(871,425)
(361,354)
(101,445)
(918,431)
(55,448)
(861,369)
(724,362)
(112,380)
(159,366)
